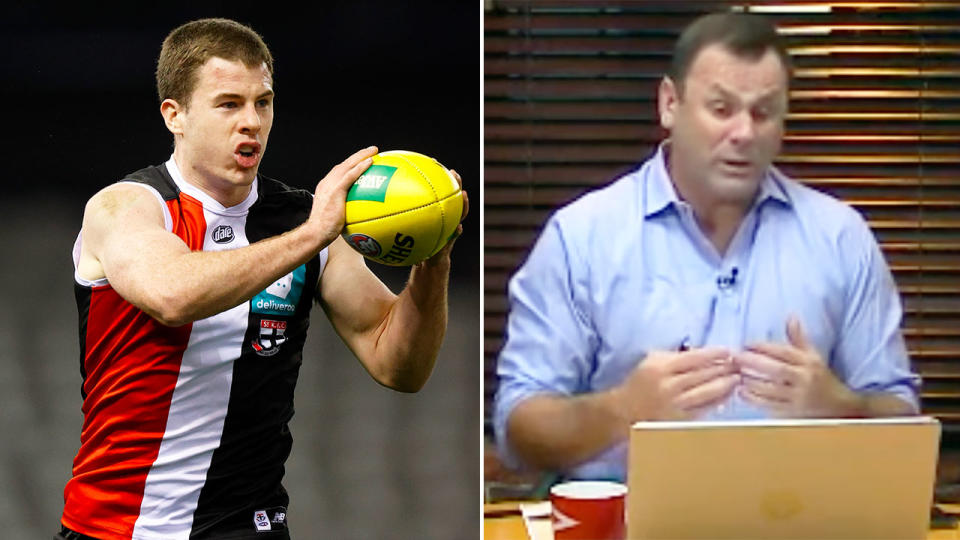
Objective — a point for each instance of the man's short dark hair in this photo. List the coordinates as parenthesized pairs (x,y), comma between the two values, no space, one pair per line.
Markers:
(745,35)
(189,46)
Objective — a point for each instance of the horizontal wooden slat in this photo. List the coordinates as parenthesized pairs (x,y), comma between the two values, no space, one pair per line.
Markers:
(794,153)
(659,44)
(554,174)
(654,66)
(821,109)
(592,132)
(671,24)
(645,88)
(647,112)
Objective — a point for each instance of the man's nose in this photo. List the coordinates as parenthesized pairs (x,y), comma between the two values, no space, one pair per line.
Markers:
(744,129)
(250,120)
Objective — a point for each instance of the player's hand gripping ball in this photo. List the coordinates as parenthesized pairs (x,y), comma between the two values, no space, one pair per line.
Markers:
(403,209)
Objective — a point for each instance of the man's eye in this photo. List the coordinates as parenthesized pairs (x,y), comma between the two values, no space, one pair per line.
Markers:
(229,105)
(761,114)
(263,102)
(720,108)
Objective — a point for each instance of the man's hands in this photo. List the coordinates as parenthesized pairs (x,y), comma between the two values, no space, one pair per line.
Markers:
(395,337)
(327,216)
(792,380)
(329,201)
(444,253)
(677,385)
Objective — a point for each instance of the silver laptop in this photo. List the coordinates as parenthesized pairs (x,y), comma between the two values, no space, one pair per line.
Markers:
(800,479)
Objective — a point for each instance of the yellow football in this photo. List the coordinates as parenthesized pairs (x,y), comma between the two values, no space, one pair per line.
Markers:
(402,209)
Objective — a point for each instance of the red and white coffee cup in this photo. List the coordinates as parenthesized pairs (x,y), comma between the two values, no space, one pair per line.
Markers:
(588,510)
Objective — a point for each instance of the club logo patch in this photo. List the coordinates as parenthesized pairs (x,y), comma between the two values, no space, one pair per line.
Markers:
(365,244)
(261,520)
(270,339)
(223,234)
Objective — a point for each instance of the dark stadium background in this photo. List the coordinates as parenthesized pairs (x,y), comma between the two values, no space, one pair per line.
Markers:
(80,110)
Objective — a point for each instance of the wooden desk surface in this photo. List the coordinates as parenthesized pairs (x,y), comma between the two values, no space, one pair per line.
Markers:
(502,521)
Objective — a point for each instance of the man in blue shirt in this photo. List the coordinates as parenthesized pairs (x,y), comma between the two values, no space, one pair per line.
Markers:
(704,285)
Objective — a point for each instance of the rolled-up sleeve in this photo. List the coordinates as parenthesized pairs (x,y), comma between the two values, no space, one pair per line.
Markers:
(871,354)
(549,344)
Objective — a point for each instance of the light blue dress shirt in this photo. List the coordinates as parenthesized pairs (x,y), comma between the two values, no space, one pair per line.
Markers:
(626,270)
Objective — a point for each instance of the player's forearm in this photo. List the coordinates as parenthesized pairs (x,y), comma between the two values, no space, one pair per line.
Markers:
(413,331)
(555,432)
(194,285)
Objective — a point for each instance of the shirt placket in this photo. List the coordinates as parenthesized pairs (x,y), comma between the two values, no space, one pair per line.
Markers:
(728,274)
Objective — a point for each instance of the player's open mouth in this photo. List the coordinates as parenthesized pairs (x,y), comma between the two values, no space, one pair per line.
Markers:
(247,154)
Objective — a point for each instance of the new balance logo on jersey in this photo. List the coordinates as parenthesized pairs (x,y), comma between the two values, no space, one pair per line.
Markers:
(271,337)
(263,521)
(223,234)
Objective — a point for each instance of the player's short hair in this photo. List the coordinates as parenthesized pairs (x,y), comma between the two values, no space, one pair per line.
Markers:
(189,46)
(745,35)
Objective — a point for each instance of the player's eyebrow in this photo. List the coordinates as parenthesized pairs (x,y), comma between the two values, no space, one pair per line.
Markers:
(768,97)
(232,95)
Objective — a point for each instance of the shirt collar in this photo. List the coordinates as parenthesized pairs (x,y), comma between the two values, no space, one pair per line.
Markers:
(209,202)
(660,192)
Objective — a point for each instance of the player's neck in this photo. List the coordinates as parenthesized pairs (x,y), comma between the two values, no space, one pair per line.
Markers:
(222,190)
(718,219)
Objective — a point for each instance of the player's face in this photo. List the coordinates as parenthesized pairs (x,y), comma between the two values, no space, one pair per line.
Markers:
(727,126)
(226,125)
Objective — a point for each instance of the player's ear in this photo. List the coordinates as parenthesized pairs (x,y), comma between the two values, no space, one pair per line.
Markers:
(667,99)
(172,112)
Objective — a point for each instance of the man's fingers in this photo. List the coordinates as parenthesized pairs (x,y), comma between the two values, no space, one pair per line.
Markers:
(456,175)
(796,335)
(698,358)
(755,365)
(779,351)
(445,250)
(767,390)
(348,168)
(777,407)
(463,192)
(707,393)
(691,379)
(466,200)
(359,156)
(354,172)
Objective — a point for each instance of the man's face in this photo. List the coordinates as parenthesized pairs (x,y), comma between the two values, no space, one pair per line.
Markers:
(223,131)
(727,127)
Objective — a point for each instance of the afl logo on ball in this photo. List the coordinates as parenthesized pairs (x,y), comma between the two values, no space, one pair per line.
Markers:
(223,234)
(365,245)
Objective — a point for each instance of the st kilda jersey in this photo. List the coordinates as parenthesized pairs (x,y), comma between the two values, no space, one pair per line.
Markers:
(185,429)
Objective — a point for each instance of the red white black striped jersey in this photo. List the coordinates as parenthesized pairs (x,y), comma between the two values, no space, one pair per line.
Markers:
(186,428)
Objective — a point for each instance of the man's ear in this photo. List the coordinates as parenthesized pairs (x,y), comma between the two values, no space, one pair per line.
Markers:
(172,113)
(667,99)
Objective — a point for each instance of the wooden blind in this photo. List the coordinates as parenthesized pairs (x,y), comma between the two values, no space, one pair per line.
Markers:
(570,104)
